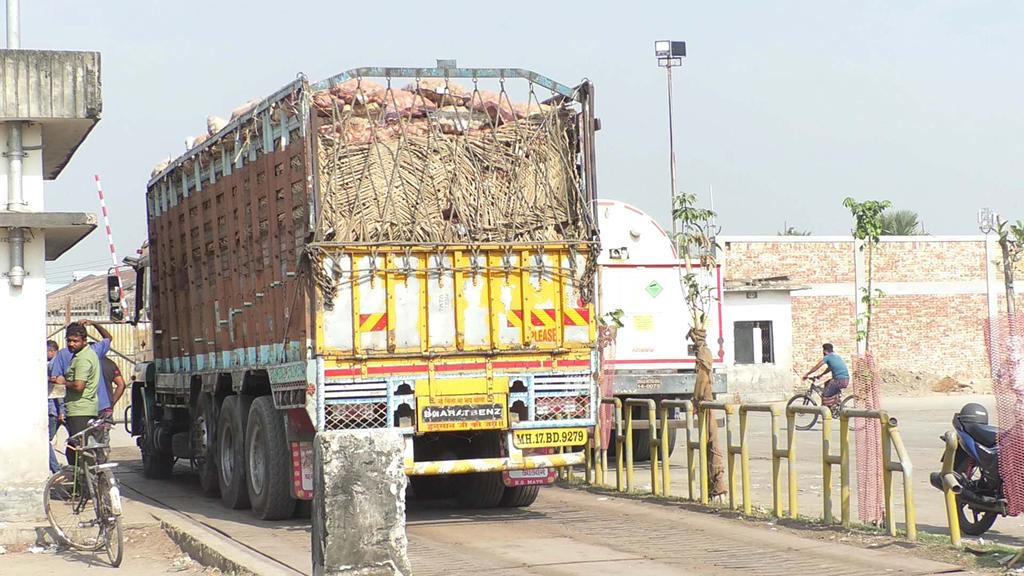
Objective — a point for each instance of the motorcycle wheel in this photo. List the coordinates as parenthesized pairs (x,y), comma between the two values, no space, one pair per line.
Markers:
(972,522)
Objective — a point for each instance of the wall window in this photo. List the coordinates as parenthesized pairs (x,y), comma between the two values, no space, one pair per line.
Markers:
(745,345)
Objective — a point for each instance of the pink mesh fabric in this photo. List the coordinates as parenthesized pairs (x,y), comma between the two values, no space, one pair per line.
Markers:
(1006,353)
(866,384)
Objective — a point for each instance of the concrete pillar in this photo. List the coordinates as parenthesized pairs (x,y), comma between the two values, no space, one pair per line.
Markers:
(23,451)
(359,504)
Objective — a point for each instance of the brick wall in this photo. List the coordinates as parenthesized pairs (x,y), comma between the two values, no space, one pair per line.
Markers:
(932,319)
(819,319)
(929,261)
(819,262)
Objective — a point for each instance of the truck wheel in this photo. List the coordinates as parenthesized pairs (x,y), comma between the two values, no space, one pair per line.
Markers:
(231,451)
(520,496)
(432,487)
(641,445)
(303,509)
(205,444)
(268,462)
(155,464)
(486,489)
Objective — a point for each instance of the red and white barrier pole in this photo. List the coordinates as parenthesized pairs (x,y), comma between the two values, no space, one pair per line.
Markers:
(110,241)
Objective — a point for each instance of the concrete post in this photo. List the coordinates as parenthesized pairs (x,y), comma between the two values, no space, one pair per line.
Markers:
(859,282)
(359,504)
(23,452)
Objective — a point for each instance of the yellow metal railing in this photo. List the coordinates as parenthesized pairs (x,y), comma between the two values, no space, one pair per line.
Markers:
(827,459)
(950,486)
(690,445)
(776,410)
(652,411)
(659,423)
(891,440)
(731,450)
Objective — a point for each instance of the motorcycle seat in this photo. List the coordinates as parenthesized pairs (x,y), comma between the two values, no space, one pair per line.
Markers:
(984,434)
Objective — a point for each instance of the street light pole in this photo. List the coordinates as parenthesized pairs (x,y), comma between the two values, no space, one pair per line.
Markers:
(670,53)
(671,152)
(986,224)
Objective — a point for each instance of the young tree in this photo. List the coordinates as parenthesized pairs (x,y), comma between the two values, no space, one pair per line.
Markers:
(696,243)
(867,217)
(1011,241)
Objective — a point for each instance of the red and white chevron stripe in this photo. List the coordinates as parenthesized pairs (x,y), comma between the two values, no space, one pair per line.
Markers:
(110,242)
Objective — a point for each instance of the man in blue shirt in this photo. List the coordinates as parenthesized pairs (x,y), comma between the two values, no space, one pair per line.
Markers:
(835,366)
(55,406)
(62,361)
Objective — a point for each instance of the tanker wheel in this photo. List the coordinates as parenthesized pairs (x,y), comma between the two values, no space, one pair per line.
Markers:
(231,451)
(268,462)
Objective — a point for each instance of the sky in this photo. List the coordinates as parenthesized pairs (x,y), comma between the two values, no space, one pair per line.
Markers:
(782,108)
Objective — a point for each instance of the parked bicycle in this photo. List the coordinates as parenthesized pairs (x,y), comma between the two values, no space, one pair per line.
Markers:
(813,397)
(82,500)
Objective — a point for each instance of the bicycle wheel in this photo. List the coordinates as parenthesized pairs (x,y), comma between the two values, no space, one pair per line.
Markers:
(852,402)
(114,536)
(803,421)
(71,511)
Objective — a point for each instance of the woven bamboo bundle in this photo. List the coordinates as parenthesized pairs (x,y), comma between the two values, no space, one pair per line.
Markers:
(397,166)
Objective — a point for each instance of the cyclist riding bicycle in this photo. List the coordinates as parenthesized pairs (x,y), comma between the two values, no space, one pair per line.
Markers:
(834,365)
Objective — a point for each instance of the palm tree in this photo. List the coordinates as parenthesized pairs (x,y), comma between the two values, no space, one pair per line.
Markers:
(901,223)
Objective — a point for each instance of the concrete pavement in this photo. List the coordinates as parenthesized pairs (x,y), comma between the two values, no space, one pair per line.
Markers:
(921,421)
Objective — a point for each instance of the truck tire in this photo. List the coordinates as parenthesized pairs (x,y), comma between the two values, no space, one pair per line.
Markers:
(520,496)
(155,464)
(231,451)
(205,444)
(486,489)
(303,509)
(268,470)
(642,445)
(433,487)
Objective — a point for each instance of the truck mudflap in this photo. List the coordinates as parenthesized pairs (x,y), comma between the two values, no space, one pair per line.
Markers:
(517,459)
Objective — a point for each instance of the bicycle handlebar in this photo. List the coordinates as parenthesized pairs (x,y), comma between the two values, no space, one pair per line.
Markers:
(94,424)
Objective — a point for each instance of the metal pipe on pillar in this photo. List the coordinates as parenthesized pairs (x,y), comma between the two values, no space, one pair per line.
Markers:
(15,157)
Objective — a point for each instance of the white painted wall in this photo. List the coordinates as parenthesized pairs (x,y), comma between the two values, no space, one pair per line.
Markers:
(23,427)
(763,382)
(771,306)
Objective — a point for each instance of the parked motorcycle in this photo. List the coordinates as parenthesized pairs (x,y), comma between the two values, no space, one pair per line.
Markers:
(976,481)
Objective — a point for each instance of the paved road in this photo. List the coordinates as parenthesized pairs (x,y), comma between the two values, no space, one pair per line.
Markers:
(566,532)
(921,422)
(575,532)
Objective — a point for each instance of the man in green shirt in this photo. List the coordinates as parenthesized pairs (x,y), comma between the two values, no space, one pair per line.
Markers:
(81,381)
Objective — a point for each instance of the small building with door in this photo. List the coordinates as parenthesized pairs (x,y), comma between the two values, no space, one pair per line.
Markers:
(759,329)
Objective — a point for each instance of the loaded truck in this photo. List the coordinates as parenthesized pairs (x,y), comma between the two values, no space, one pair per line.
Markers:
(639,276)
(405,248)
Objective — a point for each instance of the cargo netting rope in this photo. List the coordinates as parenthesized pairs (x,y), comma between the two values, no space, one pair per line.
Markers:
(434,164)
(1006,353)
(867,384)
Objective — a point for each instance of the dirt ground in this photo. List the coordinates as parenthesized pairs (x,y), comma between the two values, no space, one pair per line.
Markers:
(918,383)
(147,550)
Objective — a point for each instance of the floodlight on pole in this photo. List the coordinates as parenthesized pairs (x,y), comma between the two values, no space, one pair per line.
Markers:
(670,53)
